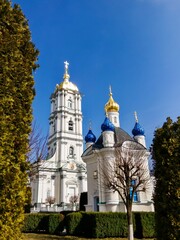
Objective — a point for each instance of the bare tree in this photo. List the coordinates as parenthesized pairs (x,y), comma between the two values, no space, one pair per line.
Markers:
(37,145)
(73,200)
(50,200)
(127,173)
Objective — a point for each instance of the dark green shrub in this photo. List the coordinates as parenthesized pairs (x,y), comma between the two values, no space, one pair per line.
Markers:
(56,223)
(105,224)
(96,224)
(35,222)
(48,223)
(74,223)
(108,224)
(145,224)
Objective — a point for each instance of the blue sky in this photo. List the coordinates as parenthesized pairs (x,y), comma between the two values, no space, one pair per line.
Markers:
(132,45)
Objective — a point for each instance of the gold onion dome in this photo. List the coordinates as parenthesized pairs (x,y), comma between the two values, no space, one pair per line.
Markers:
(66,84)
(111,105)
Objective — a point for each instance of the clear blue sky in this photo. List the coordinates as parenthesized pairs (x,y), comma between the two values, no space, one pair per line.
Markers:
(132,45)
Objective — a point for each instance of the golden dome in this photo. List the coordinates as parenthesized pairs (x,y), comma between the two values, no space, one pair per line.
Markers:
(111,105)
(66,84)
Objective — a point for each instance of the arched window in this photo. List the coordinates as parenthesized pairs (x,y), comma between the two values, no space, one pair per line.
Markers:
(71,151)
(69,103)
(70,125)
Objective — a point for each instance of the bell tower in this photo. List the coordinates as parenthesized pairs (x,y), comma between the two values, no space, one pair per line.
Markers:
(65,122)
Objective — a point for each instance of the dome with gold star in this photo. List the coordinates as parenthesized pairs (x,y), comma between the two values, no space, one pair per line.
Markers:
(66,84)
(111,105)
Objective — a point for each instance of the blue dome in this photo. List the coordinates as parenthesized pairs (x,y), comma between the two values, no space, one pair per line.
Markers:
(90,137)
(107,125)
(137,130)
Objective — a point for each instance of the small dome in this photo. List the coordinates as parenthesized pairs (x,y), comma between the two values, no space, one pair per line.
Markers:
(90,137)
(107,125)
(111,105)
(137,130)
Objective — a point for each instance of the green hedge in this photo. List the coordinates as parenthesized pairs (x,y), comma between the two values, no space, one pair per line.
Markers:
(145,224)
(56,223)
(96,224)
(74,224)
(105,224)
(47,223)
(108,224)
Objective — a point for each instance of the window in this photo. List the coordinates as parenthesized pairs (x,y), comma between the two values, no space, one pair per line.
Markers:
(135,197)
(69,103)
(71,151)
(115,119)
(70,125)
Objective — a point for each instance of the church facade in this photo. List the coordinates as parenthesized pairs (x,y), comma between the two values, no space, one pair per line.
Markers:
(107,167)
(62,177)
(68,171)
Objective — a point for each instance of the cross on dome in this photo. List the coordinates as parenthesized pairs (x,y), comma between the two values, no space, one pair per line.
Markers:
(136,117)
(66,64)
(110,90)
(90,125)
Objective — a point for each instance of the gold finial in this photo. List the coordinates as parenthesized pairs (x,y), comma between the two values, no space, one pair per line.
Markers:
(136,117)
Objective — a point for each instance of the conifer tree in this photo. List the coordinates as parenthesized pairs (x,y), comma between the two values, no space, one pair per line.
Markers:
(166,153)
(18,57)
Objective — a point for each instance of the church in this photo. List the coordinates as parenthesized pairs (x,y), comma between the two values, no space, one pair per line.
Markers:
(68,171)
(62,176)
(103,163)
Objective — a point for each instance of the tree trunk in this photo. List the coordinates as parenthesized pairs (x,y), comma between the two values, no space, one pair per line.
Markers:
(130,224)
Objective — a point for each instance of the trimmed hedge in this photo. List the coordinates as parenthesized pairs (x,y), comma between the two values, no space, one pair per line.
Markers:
(56,223)
(47,223)
(91,224)
(145,224)
(97,224)
(105,224)
(74,224)
(109,224)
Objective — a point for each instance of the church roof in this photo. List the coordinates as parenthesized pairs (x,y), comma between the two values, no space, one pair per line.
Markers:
(120,137)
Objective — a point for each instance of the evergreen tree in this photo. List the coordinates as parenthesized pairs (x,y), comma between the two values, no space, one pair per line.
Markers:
(18,57)
(166,153)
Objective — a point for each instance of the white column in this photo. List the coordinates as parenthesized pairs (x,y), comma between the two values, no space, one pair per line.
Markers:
(80,103)
(65,100)
(58,123)
(75,102)
(62,99)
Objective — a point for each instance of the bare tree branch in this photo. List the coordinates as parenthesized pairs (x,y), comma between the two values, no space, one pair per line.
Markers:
(37,145)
